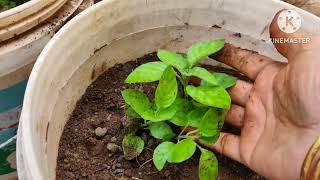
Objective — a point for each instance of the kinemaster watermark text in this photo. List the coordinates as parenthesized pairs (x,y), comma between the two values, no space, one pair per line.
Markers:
(289,21)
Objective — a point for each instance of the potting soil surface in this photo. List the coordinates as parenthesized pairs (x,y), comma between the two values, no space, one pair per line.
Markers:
(82,155)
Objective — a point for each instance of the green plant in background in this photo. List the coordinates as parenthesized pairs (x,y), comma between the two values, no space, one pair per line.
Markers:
(179,104)
(7,4)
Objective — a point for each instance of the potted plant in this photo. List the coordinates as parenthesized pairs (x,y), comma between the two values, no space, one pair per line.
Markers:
(176,102)
(75,118)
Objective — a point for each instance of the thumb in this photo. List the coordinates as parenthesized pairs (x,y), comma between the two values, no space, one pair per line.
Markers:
(291,44)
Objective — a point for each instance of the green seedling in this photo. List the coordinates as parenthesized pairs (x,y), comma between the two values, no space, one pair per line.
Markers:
(178,105)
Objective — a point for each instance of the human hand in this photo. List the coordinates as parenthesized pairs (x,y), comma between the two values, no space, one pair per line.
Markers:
(279,113)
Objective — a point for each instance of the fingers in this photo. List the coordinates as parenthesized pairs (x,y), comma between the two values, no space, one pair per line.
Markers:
(235,116)
(228,145)
(254,124)
(247,62)
(240,93)
(289,49)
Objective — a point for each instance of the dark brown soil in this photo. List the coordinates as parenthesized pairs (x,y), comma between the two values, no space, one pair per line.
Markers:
(84,156)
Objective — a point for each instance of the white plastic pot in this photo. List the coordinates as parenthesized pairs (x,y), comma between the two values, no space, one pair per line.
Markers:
(20,12)
(16,61)
(26,16)
(114,31)
(17,57)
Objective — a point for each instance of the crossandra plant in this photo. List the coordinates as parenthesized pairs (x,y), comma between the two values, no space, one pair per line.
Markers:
(179,106)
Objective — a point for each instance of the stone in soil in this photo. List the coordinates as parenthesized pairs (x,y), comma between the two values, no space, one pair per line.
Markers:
(100,132)
(113,148)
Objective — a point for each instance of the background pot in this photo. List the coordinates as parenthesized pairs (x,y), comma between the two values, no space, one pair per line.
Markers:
(22,11)
(17,23)
(113,32)
(17,57)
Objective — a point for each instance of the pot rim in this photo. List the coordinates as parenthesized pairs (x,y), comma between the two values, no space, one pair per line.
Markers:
(32,84)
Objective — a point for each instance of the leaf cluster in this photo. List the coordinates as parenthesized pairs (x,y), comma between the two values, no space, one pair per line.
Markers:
(177,103)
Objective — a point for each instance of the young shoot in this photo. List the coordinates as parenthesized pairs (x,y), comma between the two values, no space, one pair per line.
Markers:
(179,105)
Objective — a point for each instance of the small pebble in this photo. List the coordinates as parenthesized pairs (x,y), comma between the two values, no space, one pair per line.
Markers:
(112,147)
(70,174)
(100,132)
(119,170)
(75,155)
(118,165)
(113,139)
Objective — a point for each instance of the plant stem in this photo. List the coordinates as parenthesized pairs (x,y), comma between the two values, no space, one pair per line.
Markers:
(201,149)
(137,161)
(184,128)
(185,83)
(192,132)
(184,136)
(181,80)
(145,163)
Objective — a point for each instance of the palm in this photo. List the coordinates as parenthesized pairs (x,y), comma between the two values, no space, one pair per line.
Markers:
(277,113)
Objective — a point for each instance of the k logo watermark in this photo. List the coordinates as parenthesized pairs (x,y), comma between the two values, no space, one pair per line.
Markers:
(289,21)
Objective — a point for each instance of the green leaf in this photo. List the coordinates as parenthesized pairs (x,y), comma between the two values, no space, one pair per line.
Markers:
(165,114)
(131,113)
(132,127)
(208,165)
(223,80)
(148,72)
(213,79)
(210,96)
(174,59)
(201,50)
(196,104)
(209,140)
(182,151)
(205,83)
(162,114)
(162,153)
(181,117)
(161,130)
(220,116)
(155,115)
(139,102)
(132,146)
(204,75)
(167,89)
(209,125)
(195,116)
